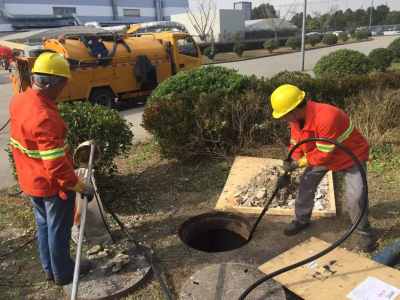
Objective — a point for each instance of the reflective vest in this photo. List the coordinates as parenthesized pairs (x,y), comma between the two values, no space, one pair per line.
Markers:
(327,121)
(43,164)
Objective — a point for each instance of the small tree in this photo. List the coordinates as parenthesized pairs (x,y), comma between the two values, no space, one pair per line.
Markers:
(238,48)
(361,35)
(314,39)
(330,39)
(294,43)
(209,52)
(202,15)
(271,45)
(381,58)
(343,36)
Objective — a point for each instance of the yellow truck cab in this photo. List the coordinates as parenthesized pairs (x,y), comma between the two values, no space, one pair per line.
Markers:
(107,66)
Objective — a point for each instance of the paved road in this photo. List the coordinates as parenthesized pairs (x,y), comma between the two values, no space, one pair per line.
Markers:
(266,67)
(270,66)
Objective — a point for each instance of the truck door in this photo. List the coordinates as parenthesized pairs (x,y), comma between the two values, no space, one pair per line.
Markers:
(187,54)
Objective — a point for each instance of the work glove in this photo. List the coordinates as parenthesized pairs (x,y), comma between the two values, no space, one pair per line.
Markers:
(88,192)
(290,165)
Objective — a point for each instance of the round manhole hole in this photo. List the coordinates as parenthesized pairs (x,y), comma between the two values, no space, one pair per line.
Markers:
(215,232)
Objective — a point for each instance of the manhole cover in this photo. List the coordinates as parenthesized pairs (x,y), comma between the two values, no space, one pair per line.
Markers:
(102,283)
(227,282)
(215,232)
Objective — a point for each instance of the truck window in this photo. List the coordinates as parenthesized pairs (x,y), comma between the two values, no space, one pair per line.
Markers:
(187,46)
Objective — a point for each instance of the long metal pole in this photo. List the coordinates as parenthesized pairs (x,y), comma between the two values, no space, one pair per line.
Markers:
(370,15)
(75,282)
(303,35)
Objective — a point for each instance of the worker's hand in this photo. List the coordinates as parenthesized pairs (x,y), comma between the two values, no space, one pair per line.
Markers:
(290,165)
(88,192)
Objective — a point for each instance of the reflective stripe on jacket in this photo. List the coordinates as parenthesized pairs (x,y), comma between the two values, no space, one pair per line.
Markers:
(327,121)
(38,132)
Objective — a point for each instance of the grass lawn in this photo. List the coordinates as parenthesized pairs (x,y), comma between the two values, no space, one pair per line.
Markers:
(153,196)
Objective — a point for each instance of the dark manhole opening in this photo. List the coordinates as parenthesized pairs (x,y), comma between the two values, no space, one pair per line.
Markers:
(215,232)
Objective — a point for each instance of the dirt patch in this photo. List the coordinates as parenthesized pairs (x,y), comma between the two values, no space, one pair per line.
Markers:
(154,196)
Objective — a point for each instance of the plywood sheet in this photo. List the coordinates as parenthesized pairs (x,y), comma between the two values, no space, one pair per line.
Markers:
(314,282)
(243,170)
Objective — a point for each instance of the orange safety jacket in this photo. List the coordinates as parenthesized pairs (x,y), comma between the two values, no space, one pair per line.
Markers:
(327,121)
(43,164)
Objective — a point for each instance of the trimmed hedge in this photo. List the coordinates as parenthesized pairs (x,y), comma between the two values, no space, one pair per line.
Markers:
(381,58)
(294,43)
(395,47)
(343,62)
(216,111)
(111,132)
(330,39)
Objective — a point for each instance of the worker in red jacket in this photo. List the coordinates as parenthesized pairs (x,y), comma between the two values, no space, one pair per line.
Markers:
(44,167)
(308,119)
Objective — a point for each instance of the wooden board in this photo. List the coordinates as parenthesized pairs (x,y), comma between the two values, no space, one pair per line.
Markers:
(243,170)
(313,282)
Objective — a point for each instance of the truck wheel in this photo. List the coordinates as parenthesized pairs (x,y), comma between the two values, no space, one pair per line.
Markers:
(103,96)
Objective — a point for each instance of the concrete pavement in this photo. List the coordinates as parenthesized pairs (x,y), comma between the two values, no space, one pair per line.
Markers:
(269,66)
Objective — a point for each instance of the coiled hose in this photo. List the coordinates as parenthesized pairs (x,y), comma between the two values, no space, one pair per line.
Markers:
(341,239)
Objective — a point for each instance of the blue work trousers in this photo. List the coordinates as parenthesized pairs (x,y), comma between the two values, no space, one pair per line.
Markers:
(54,219)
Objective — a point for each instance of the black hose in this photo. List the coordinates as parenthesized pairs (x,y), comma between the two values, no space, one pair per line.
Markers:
(150,257)
(5,125)
(283,181)
(340,240)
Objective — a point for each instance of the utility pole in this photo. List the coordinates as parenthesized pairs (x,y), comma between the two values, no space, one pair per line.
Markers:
(303,35)
(370,15)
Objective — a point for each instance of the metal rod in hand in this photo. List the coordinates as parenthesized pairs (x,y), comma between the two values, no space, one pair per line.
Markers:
(75,282)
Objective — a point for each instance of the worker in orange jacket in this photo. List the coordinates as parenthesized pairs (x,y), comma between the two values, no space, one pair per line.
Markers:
(308,119)
(44,167)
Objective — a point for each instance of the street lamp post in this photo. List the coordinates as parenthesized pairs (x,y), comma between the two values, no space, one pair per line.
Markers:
(303,35)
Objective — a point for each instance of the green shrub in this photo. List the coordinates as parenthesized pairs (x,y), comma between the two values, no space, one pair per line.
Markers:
(219,112)
(314,39)
(360,35)
(330,39)
(238,48)
(210,52)
(271,45)
(302,80)
(381,58)
(294,43)
(395,47)
(342,62)
(110,131)
(204,80)
(343,36)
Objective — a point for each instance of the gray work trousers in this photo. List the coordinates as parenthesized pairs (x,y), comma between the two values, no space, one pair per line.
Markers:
(309,182)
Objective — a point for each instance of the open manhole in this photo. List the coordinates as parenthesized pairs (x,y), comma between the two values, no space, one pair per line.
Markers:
(215,232)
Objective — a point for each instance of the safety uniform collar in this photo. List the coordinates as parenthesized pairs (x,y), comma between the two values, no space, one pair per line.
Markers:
(309,118)
(41,97)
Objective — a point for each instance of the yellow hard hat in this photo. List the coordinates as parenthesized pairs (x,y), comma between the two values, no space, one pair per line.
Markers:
(286,98)
(53,64)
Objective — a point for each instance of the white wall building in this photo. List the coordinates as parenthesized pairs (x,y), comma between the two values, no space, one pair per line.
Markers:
(228,23)
(102,11)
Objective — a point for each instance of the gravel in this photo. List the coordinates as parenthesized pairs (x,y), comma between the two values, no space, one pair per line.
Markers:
(261,187)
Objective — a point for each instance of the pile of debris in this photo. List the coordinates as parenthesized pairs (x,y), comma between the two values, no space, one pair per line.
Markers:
(261,187)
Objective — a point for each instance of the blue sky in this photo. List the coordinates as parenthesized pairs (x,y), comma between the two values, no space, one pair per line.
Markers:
(293,6)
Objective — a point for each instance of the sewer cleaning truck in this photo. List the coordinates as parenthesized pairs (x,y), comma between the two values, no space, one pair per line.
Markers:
(107,66)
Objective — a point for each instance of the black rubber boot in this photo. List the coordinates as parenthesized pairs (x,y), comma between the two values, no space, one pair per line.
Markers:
(295,227)
(85,267)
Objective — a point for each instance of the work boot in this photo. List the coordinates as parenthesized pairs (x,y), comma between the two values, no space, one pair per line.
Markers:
(49,277)
(85,267)
(295,227)
(367,241)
